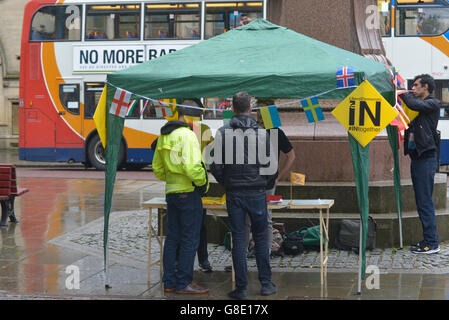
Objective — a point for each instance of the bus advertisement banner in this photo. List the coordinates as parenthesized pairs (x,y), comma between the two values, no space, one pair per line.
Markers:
(111,58)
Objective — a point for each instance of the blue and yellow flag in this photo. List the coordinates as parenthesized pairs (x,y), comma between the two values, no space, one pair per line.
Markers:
(270,116)
(312,109)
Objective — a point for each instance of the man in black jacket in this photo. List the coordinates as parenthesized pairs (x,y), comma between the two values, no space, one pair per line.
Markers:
(241,165)
(421,143)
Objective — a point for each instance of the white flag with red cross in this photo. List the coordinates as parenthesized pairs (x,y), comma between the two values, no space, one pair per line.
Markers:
(163,111)
(120,103)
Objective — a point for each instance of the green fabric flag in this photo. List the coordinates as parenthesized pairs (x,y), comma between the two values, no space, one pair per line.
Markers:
(114,130)
(360,162)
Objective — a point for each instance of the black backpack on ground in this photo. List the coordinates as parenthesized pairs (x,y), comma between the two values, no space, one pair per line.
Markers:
(293,243)
(348,237)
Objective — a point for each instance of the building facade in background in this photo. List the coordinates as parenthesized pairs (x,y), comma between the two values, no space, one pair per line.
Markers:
(11,14)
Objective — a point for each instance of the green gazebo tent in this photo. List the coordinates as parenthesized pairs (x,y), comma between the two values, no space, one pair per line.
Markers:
(263,59)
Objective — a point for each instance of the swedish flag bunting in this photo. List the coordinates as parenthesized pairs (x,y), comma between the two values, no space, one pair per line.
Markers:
(312,109)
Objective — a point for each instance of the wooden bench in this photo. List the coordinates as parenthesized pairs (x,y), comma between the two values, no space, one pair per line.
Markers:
(8,192)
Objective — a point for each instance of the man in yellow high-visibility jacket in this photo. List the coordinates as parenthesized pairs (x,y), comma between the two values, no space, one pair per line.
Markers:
(177,161)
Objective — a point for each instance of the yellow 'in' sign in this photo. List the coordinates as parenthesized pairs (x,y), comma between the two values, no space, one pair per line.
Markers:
(364,113)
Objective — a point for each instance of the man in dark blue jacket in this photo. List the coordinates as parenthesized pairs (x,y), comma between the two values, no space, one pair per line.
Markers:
(421,143)
(242,166)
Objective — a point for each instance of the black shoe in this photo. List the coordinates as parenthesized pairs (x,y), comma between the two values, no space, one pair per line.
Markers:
(423,248)
(416,245)
(238,294)
(268,289)
(228,268)
(206,267)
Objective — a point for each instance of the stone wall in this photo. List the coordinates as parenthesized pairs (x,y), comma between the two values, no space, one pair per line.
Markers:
(328,21)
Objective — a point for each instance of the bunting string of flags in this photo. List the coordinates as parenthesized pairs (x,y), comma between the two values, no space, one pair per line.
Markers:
(270,115)
(148,99)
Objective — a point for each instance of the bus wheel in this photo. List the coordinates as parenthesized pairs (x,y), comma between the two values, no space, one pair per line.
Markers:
(97,156)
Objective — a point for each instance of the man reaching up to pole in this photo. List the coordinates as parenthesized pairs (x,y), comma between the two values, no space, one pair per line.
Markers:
(421,143)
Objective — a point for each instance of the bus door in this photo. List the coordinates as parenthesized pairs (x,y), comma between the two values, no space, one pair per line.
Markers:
(68,130)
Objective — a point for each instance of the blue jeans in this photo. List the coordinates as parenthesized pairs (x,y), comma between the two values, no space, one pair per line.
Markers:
(253,203)
(203,256)
(423,171)
(184,217)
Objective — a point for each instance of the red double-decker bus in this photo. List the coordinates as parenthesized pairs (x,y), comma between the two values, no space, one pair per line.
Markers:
(68,48)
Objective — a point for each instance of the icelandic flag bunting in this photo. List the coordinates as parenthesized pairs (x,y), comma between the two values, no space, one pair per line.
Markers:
(312,109)
(120,103)
(345,77)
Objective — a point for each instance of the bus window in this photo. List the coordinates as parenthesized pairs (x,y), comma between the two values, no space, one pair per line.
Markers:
(385,18)
(92,94)
(172,21)
(412,21)
(224,16)
(113,22)
(69,95)
(56,23)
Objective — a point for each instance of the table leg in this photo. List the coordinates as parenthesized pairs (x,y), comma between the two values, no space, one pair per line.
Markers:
(321,245)
(150,215)
(327,241)
(161,228)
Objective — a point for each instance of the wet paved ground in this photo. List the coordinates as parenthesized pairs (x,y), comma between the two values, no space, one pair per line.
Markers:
(61,225)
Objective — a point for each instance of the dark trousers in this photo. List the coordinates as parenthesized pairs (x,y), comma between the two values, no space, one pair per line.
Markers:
(203,256)
(184,216)
(423,171)
(241,203)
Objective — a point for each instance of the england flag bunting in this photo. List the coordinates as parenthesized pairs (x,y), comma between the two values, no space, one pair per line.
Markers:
(120,103)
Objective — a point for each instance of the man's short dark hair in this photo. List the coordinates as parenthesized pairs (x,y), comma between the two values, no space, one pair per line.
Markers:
(241,102)
(193,112)
(426,79)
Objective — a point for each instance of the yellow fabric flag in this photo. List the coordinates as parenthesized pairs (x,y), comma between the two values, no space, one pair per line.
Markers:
(297,178)
(100,117)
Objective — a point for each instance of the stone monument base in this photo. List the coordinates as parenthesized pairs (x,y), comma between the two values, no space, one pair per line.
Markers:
(382,210)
